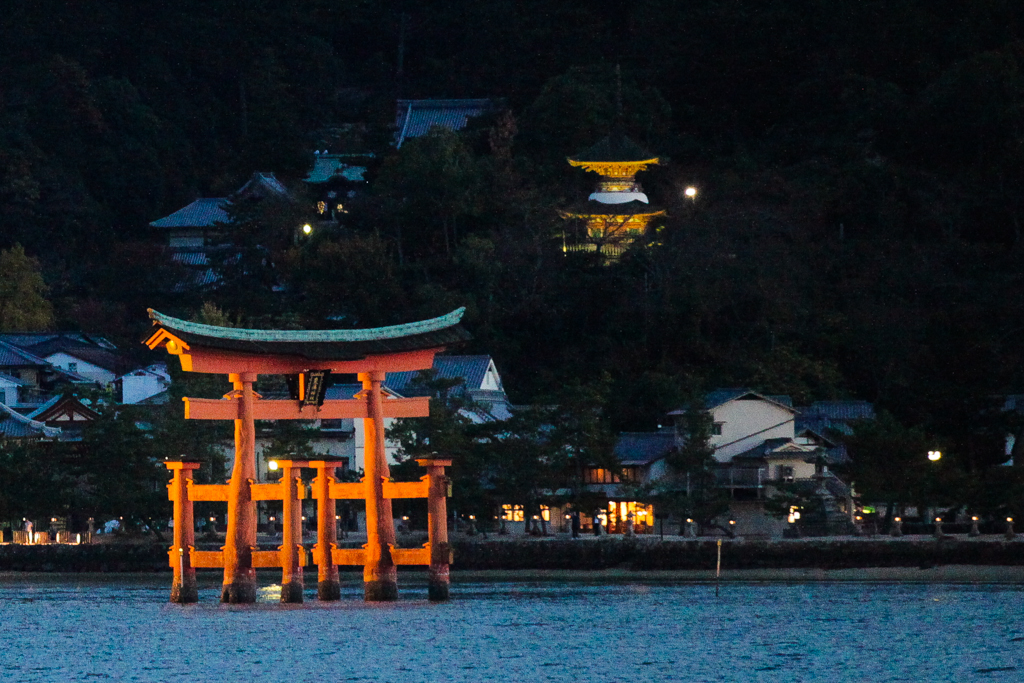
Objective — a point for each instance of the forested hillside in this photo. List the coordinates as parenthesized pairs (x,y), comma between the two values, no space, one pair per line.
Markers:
(857,231)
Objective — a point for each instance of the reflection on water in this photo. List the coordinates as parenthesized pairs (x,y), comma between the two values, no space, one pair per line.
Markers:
(120,628)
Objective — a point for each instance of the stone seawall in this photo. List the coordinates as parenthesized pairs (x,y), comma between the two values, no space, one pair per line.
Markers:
(106,557)
(591,554)
(646,554)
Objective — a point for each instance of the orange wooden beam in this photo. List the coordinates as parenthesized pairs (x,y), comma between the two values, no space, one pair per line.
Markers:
(407,489)
(200,359)
(349,556)
(228,409)
(411,556)
(401,556)
(275,491)
(207,492)
(347,491)
(208,559)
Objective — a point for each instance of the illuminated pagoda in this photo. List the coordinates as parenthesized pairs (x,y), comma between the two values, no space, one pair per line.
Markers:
(618,211)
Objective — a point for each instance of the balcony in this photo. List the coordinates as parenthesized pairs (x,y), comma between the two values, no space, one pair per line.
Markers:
(741,477)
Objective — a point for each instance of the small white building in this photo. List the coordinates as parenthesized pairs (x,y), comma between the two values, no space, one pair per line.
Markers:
(9,387)
(138,385)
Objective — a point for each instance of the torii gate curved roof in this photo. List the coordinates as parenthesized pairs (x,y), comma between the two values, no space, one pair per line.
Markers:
(331,346)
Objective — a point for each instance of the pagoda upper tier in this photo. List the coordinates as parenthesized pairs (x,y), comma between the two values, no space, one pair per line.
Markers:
(617,159)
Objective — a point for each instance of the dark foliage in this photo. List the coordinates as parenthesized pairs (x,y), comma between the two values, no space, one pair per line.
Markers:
(857,231)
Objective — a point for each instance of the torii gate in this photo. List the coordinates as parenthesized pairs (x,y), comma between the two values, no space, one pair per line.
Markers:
(307,357)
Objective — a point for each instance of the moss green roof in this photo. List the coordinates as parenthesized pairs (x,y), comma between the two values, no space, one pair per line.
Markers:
(321,344)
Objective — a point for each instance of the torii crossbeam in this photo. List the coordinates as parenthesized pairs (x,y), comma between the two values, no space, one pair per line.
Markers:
(306,357)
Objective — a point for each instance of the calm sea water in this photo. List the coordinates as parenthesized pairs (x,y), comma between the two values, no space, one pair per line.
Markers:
(70,628)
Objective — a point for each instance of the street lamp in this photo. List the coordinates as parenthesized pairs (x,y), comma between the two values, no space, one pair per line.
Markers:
(690,192)
(307,229)
(272,465)
(934,456)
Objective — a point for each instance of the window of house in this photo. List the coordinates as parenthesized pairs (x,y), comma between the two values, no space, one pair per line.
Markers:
(599,475)
(785,472)
(512,513)
(716,429)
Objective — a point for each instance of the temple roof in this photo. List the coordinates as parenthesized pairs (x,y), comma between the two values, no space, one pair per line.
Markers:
(202,213)
(320,344)
(209,212)
(414,118)
(615,147)
(335,166)
(14,425)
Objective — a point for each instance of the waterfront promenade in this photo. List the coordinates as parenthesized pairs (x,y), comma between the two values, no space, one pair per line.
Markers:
(799,558)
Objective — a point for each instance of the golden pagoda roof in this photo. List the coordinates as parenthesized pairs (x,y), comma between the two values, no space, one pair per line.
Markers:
(595,209)
(614,153)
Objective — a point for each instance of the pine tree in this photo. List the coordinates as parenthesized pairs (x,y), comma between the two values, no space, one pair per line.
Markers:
(23,303)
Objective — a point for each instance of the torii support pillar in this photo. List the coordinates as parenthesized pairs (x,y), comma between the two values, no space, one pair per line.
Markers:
(380,575)
(329,586)
(239,574)
(183,586)
(291,537)
(437,526)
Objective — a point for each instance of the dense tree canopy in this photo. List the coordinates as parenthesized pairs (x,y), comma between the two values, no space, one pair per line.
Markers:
(857,230)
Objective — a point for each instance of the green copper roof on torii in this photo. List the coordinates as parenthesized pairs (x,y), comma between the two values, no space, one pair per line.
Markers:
(322,344)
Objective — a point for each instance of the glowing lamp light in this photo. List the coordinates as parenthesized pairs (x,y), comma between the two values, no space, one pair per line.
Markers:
(568,516)
(934,456)
(273,519)
(938,519)
(732,522)
(690,192)
(303,518)
(307,229)
(336,517)
(405,518)
(897,519)
(974,519)
(689,520)
(213,519)
(1009,519)
(272,465)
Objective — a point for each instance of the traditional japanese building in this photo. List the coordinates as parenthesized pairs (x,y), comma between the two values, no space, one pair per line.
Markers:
(618,211)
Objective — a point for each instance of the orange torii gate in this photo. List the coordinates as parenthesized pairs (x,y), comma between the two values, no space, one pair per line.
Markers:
(307,357)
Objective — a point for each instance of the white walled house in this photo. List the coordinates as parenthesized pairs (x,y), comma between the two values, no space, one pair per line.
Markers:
(142,383)
(744,419)
(76,363)
(9,387)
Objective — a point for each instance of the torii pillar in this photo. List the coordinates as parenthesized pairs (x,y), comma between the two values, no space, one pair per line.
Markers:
(183,586)
(239,574)
(380,575)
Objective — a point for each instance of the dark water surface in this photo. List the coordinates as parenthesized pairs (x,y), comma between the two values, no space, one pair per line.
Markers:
(121,628)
